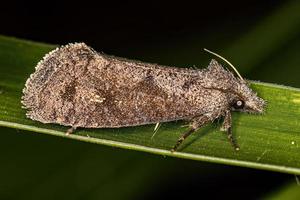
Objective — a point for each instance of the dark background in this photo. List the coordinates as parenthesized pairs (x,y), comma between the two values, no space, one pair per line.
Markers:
(111,25)
(162,32)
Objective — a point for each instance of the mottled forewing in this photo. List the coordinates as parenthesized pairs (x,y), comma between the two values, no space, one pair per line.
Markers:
(76,86)
(119,92)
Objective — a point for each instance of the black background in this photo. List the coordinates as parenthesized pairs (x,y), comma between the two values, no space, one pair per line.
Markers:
(112,25)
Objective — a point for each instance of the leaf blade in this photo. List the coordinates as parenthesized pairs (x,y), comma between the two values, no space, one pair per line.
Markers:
(267,141)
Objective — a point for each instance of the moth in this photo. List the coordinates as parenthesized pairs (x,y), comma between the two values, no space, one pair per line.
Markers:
(78,87)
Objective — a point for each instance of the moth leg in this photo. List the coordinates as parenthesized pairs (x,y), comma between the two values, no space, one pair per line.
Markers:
(182,138)
(227,127)
(198,123)
(71,130)
(157,126)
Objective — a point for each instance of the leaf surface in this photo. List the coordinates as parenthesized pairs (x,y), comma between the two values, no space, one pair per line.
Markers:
(269,141)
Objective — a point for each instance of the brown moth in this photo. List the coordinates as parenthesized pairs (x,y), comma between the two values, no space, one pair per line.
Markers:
(76,86)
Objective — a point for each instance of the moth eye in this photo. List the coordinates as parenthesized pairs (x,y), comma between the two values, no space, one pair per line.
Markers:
(238,104)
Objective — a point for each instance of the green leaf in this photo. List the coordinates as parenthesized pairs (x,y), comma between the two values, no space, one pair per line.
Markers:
(290,191)
(270,141)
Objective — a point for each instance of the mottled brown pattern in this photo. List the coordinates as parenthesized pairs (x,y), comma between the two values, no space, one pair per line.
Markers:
(70,91)
(76,86)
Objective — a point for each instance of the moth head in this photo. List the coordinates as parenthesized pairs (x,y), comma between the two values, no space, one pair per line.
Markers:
(240,95)
(243,99)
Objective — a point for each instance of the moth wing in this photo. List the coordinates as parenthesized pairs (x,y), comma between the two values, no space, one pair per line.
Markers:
(75,86)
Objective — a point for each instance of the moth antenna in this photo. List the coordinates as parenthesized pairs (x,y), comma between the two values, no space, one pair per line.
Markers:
(224,59)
